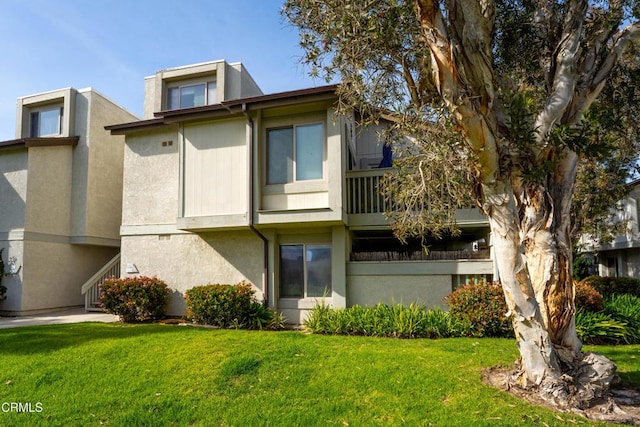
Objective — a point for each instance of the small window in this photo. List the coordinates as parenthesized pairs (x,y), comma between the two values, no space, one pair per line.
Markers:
(295,153)
(46,122)
(195,95)
(305,271)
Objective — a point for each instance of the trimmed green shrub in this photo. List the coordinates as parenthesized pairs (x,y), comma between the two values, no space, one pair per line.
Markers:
(608,286)
(135,299)
(601,328)
(587,298)
(225,306)
(381,320)
(481,310)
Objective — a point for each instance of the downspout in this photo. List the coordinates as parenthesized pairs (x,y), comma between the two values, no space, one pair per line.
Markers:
(265,241)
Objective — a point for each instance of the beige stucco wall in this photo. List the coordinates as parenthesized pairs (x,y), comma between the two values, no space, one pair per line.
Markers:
(57,282)
(185,260)
(97,171)
(48,207)
(151,179)
(13,189)
(395,289)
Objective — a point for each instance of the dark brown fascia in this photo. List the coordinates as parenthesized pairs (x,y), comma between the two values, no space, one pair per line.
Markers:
(140,125)
(39,142)
(227,108)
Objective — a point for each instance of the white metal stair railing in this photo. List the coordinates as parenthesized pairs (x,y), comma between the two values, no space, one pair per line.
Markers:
(91,288)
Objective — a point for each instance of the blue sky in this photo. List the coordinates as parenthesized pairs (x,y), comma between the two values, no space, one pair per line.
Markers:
(112,45)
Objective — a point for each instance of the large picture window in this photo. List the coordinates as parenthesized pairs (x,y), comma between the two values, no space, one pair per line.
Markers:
(46,122)
(305,271)
(295,153)
(194,95)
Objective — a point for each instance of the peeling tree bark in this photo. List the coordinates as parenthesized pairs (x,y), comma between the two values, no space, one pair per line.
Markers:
(530,221)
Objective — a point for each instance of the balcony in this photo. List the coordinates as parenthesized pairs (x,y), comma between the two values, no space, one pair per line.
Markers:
(366,206)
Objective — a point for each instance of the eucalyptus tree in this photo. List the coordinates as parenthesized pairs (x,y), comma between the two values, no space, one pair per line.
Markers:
(496,96)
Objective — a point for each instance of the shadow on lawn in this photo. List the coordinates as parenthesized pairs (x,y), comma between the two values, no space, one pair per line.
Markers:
(44,339)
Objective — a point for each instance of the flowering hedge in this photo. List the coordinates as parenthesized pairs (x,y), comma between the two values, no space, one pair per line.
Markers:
(481,309)
(135,299)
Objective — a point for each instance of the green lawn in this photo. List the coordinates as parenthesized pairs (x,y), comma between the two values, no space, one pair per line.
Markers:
(156,375)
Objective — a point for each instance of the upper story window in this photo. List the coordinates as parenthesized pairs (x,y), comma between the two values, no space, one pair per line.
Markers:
(46,122)
(191,95)
(295,153)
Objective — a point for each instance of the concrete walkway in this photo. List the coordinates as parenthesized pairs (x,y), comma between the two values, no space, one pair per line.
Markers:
(72,315)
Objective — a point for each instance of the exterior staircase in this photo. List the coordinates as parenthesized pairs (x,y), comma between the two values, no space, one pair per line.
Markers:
(91,288)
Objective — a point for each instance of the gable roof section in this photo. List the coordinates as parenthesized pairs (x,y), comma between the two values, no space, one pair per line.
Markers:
(234,107)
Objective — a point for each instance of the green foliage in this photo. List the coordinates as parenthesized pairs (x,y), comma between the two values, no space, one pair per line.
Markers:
(225,306)
(587,298)
(481,309)
(619,322)
(582,265)
(626,308)
(3,289)
(608,286)
(601,328)
(135,299)
(381,320)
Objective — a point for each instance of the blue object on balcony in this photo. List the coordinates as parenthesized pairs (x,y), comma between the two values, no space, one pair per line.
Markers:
(387,156)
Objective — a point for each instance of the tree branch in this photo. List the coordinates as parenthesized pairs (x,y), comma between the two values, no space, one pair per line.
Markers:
(564,79)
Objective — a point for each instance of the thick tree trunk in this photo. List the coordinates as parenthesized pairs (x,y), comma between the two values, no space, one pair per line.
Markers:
(538,360)
(533,256)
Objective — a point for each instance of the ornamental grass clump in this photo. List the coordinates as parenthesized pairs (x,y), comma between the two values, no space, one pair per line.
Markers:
(135,299)
(381,320)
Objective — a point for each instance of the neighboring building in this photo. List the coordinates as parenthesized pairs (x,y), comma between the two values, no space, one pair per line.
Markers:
(60,197)
(621,257)
(223,184)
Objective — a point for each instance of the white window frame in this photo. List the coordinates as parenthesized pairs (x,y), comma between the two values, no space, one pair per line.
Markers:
(37,112)
(293,126)
(304,245)
(185,84)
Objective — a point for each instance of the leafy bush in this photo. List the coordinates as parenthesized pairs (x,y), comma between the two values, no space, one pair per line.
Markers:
(381,320)
(135,299)
(601,328)
(608,286)
(481,310)
(226,306)
(626,308)
(587,298)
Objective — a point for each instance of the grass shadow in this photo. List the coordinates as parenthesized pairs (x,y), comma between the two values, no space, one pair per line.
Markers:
(50,338)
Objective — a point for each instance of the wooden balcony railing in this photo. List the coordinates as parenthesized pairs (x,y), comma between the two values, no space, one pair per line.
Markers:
(363,195)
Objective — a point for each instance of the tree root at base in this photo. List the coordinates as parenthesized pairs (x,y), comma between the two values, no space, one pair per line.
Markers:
(619,405)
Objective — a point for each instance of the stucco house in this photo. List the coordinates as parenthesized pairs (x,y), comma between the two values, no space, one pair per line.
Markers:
(620,257)
(223,184)
(60,197)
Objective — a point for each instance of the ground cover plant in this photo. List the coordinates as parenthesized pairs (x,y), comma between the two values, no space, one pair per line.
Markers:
(161,375)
